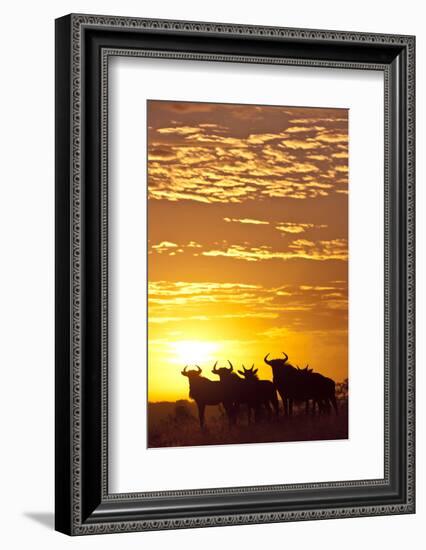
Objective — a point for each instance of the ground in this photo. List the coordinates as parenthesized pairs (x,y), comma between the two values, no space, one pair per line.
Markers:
(175,424)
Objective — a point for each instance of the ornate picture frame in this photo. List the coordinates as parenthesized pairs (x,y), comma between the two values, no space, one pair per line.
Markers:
(84,44)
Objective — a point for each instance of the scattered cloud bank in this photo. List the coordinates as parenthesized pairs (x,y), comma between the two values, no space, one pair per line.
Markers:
(209,162)
(240,301)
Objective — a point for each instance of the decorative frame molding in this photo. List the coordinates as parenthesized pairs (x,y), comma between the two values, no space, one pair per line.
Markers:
(84,44)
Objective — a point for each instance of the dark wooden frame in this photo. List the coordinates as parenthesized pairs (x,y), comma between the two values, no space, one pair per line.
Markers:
(83,46)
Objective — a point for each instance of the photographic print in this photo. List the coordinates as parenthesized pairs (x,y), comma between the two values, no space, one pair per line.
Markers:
(247,273)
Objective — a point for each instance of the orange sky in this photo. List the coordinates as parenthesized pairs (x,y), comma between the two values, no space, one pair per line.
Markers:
(247,239)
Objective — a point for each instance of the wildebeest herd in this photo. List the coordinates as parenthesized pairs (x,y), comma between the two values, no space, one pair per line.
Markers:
(237,391)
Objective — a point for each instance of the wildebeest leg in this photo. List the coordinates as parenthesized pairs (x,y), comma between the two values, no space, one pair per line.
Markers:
(201,408)
(253,413)
(228,412)
(256,413)
(231,412)
(334,403)
(284,400)
(259,413)
(248,413)
(222,412)
(268,409)
(275,406)
(307,406)
(290,407)
(236,412)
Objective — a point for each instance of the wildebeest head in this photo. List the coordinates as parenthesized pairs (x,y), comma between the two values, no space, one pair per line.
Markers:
(306,370)
(223,372)
(280,366)
(276,362)
(191,374)
(249,374)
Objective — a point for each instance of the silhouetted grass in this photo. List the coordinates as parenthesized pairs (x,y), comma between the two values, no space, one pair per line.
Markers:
(176,425)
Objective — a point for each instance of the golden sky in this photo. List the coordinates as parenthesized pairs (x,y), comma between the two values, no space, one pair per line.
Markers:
(247,239)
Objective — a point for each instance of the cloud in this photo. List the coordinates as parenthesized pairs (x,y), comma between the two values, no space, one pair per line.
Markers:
(315,119)
(253,315)
(341,305)
(303,129)
(164,246)
(340,155)
(300,144)
(319,157)
(331,137)
(246,221)
(186,302)
(260,139)
(292,228)
(276,333)
(210,162)
(216,300)
(183,303)
(316,288)
(166,288)
(319,250)
(180,130)
(167,247)
(336,249)
(161,319)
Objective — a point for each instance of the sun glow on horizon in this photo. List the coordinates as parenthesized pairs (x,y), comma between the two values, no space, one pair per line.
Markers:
(191,352)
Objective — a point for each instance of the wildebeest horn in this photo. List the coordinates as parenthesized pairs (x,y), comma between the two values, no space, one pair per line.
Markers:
(184,371)
(231,367)
(198,369)
(252,367)
(214,371)
(266,359)
(285,355)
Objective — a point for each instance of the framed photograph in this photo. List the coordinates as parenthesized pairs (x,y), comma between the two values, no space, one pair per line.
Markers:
(234,274)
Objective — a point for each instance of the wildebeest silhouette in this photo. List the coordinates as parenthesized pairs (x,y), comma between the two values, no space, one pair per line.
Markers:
(238,391)
(264,391)
(320,388)
(204,392)
(232,388)
(294,384)
(286,380)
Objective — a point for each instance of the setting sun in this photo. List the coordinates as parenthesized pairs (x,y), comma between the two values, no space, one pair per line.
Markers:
(191,352)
